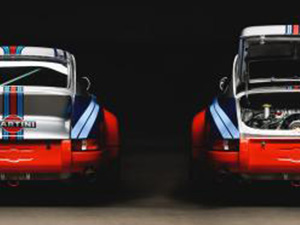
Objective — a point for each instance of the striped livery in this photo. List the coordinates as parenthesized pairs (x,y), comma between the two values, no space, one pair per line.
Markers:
(292,30)
(274,30)
(34,51)
(13,109)
(227,129)
(12,50)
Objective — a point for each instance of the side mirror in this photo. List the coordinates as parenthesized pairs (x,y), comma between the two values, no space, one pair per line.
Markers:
(223,84)
(86,83)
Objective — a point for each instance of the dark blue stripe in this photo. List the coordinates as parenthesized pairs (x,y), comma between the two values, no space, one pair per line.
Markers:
(55,52)
(6,101)
(20,109)
(6,50)
(19,50)
(5,134)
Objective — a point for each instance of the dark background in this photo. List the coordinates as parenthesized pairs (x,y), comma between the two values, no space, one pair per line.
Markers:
(154,67)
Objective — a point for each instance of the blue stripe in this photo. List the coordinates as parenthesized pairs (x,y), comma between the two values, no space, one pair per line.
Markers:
(82,120)
(5,134)
(90,123)
(223,130)
(6,101)
(19,50)
(290,29)
(20,110)
(55,52)
(226,120)
(20,99)
(6,50)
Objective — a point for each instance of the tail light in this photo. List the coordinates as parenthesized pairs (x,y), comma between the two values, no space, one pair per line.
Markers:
(85,145)
(226,145)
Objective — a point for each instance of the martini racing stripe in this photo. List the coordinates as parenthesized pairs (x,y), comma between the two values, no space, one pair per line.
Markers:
(13,106)
(5,134)
(219,123)
(227,122)
(12,50)
(20,109)
(292,30)
(225,126)
(90,122)
(86,122)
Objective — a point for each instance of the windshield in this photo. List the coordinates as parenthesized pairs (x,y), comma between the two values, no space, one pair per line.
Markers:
(33,73)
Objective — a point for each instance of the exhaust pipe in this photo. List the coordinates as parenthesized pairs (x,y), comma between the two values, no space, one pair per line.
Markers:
(13,183)
(295,184)
(91,175)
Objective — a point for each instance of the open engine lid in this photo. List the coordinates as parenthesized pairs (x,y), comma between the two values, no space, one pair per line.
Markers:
(271,30)
(268,61)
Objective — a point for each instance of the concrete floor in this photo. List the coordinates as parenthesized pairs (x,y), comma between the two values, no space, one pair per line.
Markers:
(154,191)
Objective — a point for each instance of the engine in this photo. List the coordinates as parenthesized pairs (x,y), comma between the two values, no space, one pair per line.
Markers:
(270,118)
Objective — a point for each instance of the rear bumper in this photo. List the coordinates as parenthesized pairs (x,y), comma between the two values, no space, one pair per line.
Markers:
(255,161)
(53,160)
(82,161)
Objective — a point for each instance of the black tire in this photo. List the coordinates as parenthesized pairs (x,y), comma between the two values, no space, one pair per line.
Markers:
(200,176)
(112,175)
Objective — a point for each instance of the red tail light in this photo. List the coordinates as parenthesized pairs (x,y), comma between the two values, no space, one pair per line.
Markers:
(85,145)
(226,145)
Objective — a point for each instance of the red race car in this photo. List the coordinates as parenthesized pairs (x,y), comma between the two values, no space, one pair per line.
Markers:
(51,127)
(252,130)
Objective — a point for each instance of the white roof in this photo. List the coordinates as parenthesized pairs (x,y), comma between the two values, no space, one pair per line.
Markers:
(274,30)
(33,51)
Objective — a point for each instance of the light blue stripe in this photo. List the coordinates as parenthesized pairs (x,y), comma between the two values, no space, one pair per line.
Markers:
(4,134)
(20,134)
(6,101)
(20,102)
(290,29)
(227,122)
(6,50)
(6,110)
(82,121)
(19,50)
(223,130)
(90,123)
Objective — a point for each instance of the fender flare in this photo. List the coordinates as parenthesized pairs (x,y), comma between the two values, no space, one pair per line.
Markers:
(198,134)
(111,133)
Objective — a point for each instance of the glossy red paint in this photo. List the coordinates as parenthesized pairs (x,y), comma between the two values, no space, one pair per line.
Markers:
(13,50)
(222,159)
(270,156)
(111,133)
(58,157)
(35,157)
(198,133)
(259,156)
(82,160)
(295,29)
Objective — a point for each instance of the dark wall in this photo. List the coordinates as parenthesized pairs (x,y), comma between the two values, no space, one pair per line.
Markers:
(155,67)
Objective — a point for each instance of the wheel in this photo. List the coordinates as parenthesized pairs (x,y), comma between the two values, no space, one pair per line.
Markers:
(200,176)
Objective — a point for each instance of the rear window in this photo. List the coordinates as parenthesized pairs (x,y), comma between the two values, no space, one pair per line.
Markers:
(33,76)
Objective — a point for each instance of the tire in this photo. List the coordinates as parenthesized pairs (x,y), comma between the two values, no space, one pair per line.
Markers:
(113,174)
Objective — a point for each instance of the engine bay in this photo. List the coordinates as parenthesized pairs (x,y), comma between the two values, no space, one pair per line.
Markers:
(271,111)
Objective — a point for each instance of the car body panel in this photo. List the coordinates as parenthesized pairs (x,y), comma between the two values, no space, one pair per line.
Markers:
(50,132)
(263,154)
